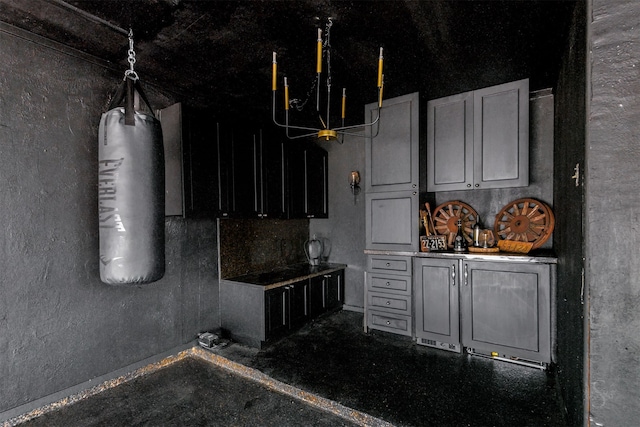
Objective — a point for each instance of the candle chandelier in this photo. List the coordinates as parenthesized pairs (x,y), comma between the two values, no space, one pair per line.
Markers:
(325,131)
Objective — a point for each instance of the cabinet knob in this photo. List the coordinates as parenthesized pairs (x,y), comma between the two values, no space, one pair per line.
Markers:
(414,186)
(388,302)
(477,185)
(388,323)
(388,264)
(388,284)
(468,185)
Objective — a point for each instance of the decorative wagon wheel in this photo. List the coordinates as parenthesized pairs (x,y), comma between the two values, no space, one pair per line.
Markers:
(445,218)
(525,220)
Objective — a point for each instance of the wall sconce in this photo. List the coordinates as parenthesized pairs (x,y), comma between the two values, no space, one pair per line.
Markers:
(354,182)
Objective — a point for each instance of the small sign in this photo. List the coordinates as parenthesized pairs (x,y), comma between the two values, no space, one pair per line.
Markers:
(433,243)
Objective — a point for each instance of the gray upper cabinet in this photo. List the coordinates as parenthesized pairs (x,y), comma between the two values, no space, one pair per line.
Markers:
(392,220)
(450,142)
(479,139)
(392,179)
(392,145)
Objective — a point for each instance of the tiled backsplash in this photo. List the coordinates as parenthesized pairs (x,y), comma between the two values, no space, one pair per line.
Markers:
(251,245)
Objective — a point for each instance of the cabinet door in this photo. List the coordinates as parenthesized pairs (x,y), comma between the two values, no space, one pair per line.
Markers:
(506,309)
(224,149)
(501,135)
(307,180)
(270,179)
(297,300)
(392,220)
(450,143)
(334,290)
(294,175)
(392,145)
(244,163)
(275,311)
(190,140)
(436,293)
(316,182)
(177,133)
(316,296)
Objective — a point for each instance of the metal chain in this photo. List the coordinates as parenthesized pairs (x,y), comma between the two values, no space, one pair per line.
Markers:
(131,59)
(327,50)
(299,104)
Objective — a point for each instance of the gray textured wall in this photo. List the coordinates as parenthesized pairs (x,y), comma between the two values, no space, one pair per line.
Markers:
(612,211)
(345,226)
(59,325)
(568,202)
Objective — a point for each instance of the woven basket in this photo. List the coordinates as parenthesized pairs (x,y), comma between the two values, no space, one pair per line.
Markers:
(515,246)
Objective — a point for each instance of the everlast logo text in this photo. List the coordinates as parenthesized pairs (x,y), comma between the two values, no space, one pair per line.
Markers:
(107,176)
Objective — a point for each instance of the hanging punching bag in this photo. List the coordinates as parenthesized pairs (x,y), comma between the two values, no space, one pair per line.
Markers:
(130,192)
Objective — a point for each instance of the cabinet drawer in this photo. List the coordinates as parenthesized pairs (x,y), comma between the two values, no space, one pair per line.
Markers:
(388,283)
(389,302)
(389,322)
(391,264)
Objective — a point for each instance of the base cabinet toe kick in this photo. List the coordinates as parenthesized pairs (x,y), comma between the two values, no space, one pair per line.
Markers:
(495,307)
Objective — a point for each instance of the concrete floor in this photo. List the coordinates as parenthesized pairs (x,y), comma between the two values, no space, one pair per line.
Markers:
(388,378)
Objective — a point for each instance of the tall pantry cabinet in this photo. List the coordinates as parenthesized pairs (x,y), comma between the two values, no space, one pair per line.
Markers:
(392,189)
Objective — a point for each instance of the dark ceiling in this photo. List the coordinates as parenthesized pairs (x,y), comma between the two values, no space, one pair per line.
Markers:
(218,53)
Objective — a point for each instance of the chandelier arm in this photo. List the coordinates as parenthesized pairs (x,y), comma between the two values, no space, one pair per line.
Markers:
(350,134)
(377,119)
(306,135)
(315,130)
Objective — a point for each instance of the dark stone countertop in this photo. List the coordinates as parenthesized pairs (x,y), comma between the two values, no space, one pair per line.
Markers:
(282,276)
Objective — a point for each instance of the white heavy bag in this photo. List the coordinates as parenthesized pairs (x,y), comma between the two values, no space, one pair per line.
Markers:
(130,197)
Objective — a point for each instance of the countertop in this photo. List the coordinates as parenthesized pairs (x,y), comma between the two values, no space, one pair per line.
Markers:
(536,256)
(282,276)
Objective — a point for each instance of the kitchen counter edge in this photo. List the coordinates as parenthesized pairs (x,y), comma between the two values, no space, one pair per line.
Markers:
(542,258)
(322,269)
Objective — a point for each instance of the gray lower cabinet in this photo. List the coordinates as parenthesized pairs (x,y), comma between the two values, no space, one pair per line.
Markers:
(506,309)
(491,308)
(334,294)
(326,292)
(388,301)
(253,315)
(285,308)
(436,294)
